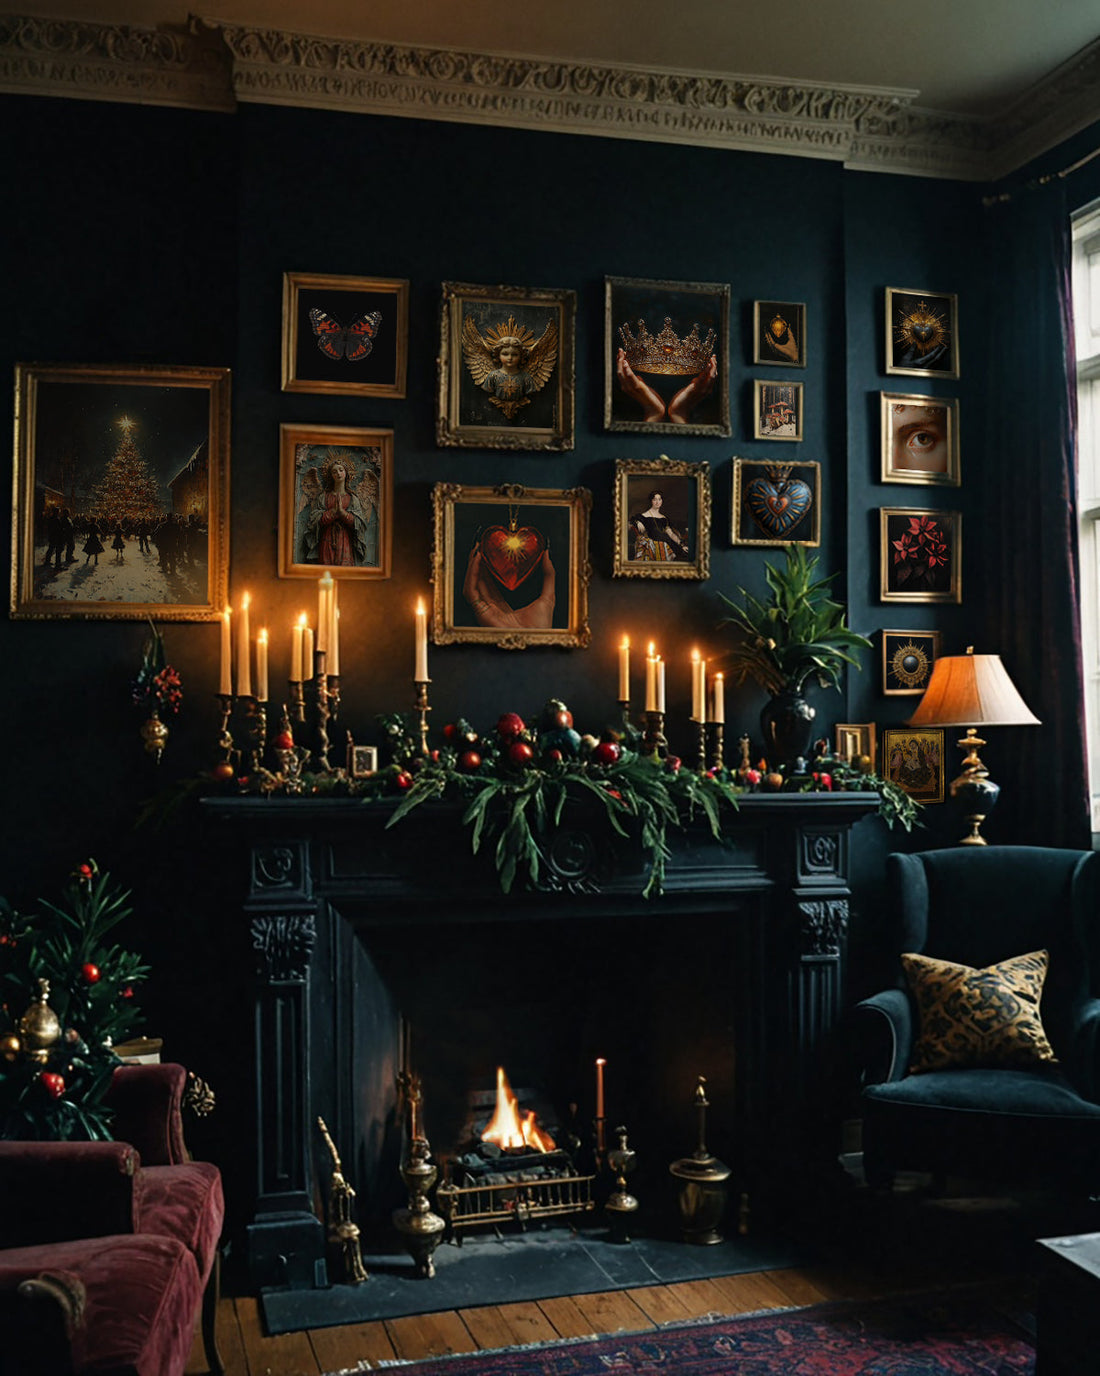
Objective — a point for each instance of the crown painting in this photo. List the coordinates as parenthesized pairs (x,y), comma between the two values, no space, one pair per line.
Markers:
(506,368)
(666,365)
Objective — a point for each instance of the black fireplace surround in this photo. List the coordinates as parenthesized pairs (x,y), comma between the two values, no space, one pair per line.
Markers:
(382,949)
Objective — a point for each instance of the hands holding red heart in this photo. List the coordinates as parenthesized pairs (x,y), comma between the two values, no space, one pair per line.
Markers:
(482,591)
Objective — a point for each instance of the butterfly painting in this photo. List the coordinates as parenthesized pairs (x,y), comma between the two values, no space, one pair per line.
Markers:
(353,342)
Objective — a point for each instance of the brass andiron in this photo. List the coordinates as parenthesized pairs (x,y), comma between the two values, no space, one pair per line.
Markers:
(343,1231)
(420,1229)
(422,709)
(701,1183)
(621,1205)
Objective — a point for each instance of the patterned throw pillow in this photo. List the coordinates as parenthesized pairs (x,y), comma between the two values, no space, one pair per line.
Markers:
(974,1017)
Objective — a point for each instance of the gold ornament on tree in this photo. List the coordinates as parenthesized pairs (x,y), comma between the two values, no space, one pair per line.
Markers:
(39,1026)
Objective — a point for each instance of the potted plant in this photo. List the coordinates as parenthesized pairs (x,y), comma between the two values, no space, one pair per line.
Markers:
(797,634)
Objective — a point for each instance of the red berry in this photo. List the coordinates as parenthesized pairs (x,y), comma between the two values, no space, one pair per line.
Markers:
(510,726)
(554,755)
(52,1083)
(449,731)
(434,757)
(403,780)
(90,973)
(469,760)
(128,992)
(673,763)
(520,753)
(606,752)
(283,741)
(86,871)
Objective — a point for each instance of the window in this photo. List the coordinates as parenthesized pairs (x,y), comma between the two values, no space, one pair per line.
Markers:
(1086,311)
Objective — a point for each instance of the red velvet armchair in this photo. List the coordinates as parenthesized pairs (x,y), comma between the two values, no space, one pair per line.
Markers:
(108,1249)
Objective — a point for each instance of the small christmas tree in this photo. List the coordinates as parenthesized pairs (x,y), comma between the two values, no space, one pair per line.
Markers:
(127,491)
(66,998)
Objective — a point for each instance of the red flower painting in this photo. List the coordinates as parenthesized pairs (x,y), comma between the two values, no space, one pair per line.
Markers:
(920,552)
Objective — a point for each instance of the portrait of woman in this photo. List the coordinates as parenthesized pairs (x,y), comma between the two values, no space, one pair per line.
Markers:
(662,518)
(655,538)
(919,440)
(341,525)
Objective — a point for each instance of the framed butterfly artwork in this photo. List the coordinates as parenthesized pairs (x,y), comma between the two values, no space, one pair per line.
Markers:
(776,503)
(121,493)
(345,334)
(510,565)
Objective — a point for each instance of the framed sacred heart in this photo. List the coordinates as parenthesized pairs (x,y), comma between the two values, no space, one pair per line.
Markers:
(776,503)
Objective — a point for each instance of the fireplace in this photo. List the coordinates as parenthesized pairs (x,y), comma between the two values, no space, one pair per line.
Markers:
(381,952)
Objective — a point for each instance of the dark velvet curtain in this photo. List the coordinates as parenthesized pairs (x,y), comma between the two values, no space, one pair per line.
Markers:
(1027,544)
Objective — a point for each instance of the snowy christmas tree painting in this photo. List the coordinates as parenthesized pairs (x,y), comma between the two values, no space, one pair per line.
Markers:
(127,493)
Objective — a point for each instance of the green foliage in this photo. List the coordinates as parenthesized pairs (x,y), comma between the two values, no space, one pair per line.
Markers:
(62,943)
(798,634)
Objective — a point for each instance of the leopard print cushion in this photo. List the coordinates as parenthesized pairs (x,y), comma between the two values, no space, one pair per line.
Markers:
(974,1017)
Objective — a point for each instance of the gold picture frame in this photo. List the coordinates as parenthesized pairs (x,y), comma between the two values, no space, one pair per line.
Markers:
(510,566)
(506,372)
(920,439)
(662,519)
(776,410)
(855,740)
(920,555)
(912,758)
(922,333)
(908,658)
(775,503)
(136,462)
(345,335)
(360,546)
(779,333)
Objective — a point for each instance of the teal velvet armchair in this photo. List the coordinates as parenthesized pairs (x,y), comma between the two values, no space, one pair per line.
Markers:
(1037,1124)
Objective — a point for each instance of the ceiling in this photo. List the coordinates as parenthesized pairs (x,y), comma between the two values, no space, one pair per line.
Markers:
(965,57)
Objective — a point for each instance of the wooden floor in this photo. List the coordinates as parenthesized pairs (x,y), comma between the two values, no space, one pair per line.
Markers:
(246,1351)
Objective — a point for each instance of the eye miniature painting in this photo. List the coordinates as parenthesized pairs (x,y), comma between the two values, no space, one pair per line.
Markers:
(920,440)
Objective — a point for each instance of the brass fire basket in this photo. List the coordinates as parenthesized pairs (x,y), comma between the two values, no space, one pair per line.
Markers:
(516,1197)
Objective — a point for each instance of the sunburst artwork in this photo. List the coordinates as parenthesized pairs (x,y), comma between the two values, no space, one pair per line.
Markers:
(922,333)
(907,660)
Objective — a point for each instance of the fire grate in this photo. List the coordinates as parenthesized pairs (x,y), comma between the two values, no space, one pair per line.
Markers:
(549,1189)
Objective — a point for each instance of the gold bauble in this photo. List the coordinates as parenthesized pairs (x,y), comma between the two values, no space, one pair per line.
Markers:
(10,1046)
(40,1026)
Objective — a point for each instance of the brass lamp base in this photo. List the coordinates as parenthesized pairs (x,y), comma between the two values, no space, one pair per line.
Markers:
(974,790)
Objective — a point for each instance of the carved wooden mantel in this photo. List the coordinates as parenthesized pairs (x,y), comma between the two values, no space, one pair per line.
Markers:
(324,873)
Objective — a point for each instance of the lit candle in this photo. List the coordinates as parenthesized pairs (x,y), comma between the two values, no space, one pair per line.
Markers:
(660,684)
(600,1063)
(297,632)
(226,685)
(261,665)
(244,652)
(420,672)
(307,649)
(719,713)
(333,662)
(698,687)
(651,679)
(324,609)
(624,670)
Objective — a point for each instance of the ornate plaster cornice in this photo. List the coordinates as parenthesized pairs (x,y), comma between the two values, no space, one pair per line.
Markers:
(216,66)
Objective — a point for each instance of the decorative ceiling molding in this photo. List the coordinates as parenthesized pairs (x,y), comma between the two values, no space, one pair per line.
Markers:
(216,66)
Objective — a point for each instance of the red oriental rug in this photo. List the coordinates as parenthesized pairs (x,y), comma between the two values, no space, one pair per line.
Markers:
(958,1334)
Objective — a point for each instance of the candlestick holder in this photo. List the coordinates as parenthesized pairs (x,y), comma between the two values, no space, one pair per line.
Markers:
(717,745)
(333,696)
(320,686)
(422,709)
(654,742)
(291,758)
(225,736)
(255,715)
(700,728)
(297,699)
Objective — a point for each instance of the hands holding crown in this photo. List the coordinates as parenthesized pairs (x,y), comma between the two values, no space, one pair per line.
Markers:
(666,353)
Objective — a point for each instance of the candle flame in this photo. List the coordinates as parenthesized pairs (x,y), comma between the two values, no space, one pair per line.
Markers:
(652,650)
(420,606)
(626,643)
(246,599)
(695,656)
(303,620)
(601,1060)
(262,637)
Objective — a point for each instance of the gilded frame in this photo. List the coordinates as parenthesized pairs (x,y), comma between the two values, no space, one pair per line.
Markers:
(65,419)
(776,410)
(754,521)
(305,453)
(785,345)
(314,355)
(912,758)
(534,412)
(463,516)
(630,302)
(910,315)
(854,739)
(685,497)
(907,574)
(907,661)
(901,427)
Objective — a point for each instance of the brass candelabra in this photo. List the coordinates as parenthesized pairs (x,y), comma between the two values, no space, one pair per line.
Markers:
(717,745)
(422,709)
(700,728)
(654,742)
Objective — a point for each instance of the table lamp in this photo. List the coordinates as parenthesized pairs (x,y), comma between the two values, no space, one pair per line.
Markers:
(972,690)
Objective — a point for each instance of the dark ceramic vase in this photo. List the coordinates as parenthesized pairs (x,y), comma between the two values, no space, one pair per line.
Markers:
(787,724)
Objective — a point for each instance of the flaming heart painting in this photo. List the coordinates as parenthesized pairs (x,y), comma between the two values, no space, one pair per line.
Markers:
(511,565)
(776,503)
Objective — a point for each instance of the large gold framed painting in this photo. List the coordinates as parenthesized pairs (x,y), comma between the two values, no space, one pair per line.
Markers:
(120,492)
(506,376)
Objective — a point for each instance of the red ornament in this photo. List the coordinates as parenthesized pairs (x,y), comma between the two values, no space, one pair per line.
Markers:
(128,992)
(90,973)
(283,741)
(53,1084)
(510,726)
(469,760)
(86,871)
(520,754)
(554,756)
(222,771)
(403,780)
(673,763)
(606,752)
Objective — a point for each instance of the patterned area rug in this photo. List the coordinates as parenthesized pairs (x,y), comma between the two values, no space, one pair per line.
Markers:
(960,1334)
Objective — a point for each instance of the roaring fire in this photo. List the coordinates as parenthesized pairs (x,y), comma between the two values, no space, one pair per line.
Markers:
(508,1128)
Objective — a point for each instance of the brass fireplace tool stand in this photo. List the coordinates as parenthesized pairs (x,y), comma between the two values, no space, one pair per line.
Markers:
(621,1205)
(343,1231)
(420,1229)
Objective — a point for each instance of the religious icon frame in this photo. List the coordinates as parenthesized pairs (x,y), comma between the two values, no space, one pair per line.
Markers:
(925,477)
(463,516)
(922,647)
(765,403)
(630,303)
(301,449)
(793,317)
(926,737)
(855,739)
(895,581)
(689,486)
(902,303)
(748,524)
(314,356)
(470,415)
(63,411)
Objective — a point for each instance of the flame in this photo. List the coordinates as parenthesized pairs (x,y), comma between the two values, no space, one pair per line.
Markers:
(508,1129)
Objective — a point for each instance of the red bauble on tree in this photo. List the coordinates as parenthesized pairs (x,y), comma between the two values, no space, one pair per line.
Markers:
(469,760)
(90,973)
(510,725)
(520,754)
(53,1084)
(606,752)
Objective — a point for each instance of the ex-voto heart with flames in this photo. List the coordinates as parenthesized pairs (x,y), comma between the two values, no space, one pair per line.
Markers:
(511,553)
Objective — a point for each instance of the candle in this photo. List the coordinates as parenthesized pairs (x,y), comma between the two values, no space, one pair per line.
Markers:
(698,687)
(297,632)
(244,652)
(261,665)
(420,671)
(624,670)
(225,687)
(651,679)
(600,1063)
(333,666)
(660,684)
(307,649)
(719,712)
(324,609)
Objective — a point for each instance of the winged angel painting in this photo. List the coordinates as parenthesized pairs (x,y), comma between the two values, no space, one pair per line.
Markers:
(337,520)
(508,362)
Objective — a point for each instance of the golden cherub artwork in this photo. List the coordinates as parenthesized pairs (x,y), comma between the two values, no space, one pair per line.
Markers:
(508,362)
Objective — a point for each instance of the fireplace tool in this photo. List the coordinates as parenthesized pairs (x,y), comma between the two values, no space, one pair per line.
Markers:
(420,1229)
(621,1205)
(343,1232)
(702,1182)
